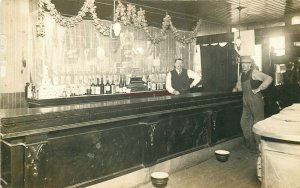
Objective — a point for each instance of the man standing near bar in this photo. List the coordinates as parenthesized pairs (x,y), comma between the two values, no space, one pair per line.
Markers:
(178,80)
(251,82)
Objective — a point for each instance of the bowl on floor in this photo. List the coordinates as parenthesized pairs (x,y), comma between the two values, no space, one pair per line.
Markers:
(159,179)
(222,155)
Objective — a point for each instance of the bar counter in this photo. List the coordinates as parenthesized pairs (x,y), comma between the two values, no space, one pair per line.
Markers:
(280,148)
(82,144)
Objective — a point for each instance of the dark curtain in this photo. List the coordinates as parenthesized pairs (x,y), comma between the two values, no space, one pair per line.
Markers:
(219,68)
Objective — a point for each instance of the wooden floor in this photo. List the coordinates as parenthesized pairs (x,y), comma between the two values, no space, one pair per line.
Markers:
(238,172)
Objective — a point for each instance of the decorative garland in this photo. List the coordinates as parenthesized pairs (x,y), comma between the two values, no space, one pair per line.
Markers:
(130,16)
(63,21)
(40,27)
(104,30)
(127,16)
(88,7)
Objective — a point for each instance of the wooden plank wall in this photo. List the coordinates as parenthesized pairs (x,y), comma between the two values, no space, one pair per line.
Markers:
(14,16)
(12,100)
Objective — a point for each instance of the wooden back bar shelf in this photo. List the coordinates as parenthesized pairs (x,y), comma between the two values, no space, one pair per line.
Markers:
(85,143)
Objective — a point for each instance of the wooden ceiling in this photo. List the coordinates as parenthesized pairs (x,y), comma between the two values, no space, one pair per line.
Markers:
(186,13)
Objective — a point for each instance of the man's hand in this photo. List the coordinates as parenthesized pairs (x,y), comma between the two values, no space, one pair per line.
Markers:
(176,92)
(255,91)
(191,86)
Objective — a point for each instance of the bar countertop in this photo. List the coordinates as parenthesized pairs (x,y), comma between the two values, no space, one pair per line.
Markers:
(282,126)
(24,121)
(42,110)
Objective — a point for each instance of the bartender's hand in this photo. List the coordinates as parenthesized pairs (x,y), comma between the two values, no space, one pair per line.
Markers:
(176,92)
(191,86)
(255,91)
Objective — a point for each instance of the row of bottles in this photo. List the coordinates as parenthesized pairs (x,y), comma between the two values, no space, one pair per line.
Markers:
(154,86)
(109,84)
(108,87)
(31,91)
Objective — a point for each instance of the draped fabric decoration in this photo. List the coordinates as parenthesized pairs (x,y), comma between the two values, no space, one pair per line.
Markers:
(127,16)
(80,54)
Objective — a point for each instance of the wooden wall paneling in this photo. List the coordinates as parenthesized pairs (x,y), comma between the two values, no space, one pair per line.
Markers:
(12,100)
(15,27)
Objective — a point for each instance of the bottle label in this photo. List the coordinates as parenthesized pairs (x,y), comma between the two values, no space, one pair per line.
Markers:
(97,92)
(149,85)
(107,89)
(153,86)
(117,89)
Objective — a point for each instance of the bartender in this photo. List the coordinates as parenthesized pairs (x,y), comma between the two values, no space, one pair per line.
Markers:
(178,80)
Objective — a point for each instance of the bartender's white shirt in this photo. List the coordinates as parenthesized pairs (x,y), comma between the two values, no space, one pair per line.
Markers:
(190,73)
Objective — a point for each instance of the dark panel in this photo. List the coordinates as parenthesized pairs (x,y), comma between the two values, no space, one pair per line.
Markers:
(5,163)
(17,165)
(226,123)
(180,132)
(88,156)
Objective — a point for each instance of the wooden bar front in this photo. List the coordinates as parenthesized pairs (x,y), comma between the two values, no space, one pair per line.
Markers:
(82,144)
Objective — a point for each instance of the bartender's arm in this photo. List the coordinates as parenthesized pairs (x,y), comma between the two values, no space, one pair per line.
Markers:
(191,74)
(196,78)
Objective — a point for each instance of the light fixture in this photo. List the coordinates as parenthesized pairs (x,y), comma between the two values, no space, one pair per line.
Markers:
(238,40)
(116,27)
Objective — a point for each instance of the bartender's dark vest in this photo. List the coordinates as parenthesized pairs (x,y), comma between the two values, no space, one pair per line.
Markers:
(180,82)
(254,83)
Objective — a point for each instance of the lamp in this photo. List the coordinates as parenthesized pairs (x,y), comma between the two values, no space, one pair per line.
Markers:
(238,40)
(116,27)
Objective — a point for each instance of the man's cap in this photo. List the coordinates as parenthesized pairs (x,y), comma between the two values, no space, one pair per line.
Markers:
(246,59)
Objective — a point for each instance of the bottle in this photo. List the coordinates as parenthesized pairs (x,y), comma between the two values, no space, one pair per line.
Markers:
(124,88)
(93,89)
(28,91)
(102,86)
(33,91)
(117,86)
(113,87)
(37,94)
(148,83)
(98,89)
(107,87)
(121,84)
(153,86)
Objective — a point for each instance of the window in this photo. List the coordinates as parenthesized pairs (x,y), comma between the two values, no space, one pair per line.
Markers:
(277,46)
(258,56)
(295,20)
